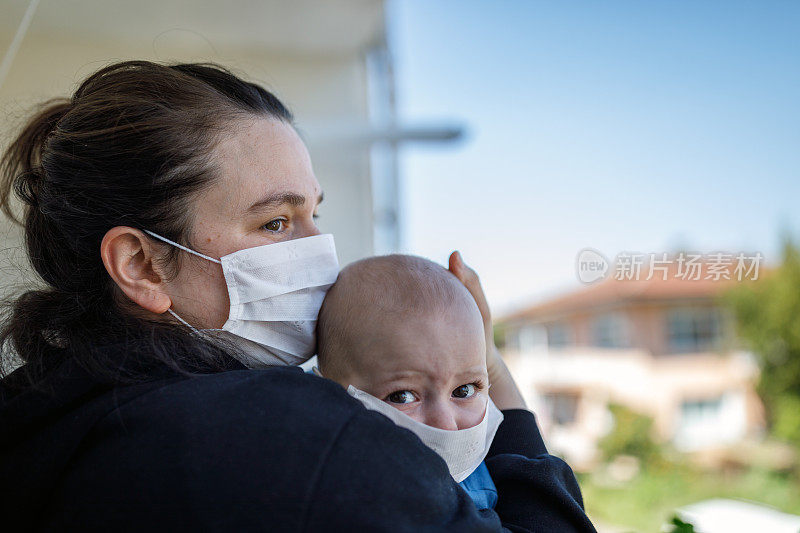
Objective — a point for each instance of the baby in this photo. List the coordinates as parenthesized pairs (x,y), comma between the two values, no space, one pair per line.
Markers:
(406,338)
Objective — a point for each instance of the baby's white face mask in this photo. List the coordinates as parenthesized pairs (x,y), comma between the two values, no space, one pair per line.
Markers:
(275,291)
(462,449)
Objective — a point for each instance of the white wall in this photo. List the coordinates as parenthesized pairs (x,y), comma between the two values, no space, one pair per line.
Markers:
(312,55)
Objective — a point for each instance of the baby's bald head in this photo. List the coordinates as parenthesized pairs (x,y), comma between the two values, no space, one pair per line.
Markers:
(387,299)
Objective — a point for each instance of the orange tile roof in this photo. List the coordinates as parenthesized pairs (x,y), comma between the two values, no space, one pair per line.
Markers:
(613,291)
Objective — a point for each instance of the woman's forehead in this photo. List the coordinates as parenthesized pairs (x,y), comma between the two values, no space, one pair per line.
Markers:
(261,141)
(260,159)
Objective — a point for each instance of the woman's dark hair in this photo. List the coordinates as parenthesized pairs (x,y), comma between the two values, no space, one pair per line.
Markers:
(131,147)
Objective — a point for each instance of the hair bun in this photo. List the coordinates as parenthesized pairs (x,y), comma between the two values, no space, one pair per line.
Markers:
(28,185)
(21,168)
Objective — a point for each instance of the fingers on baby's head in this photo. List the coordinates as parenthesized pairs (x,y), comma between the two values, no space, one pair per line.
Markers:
(371,293)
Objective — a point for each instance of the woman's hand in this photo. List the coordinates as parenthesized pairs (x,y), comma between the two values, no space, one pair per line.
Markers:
(504,391)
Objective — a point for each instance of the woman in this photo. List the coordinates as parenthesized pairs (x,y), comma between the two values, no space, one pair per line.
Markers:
(123,418)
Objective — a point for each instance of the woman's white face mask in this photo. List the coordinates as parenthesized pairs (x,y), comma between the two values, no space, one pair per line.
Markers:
(275,293)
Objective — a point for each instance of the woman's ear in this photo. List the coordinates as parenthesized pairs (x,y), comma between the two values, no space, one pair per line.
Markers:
(128,256)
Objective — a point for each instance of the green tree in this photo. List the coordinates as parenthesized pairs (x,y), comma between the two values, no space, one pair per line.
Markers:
(767,315)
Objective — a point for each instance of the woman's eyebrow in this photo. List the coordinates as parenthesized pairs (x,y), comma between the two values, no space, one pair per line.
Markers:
(280,198)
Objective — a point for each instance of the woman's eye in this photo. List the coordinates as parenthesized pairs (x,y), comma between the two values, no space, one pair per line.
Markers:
(464,391)
(401,396)
(274,225)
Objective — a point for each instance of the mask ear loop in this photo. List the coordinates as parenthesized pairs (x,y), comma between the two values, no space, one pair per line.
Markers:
(182,321)
(182,247)
(191,327)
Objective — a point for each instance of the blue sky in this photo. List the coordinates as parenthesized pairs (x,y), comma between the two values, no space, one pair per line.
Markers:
(622,126)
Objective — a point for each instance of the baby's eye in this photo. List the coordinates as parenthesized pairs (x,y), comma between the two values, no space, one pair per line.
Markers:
(275,225)
(401,396)
(464,391)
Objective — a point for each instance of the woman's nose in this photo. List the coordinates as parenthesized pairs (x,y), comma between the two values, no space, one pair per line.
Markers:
(309,229)
(441,415)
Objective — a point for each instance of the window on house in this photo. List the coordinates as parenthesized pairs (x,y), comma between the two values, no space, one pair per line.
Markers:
(531,337)
(512,339)
(525,338)
(559,334)
(610,331)
(562,407)
(701,410)
(693,329)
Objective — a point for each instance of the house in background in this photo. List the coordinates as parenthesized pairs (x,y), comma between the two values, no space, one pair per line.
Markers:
(664,347)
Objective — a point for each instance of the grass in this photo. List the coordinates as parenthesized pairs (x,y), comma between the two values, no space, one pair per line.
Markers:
(650,499)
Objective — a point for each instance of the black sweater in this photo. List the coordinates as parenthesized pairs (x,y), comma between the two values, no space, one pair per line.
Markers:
(252,450)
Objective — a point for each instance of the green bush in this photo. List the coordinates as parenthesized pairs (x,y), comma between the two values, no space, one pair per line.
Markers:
(631,435)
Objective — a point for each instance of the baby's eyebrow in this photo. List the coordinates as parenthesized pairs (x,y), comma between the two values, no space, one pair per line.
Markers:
(395,380)
(474,371)
(403,374)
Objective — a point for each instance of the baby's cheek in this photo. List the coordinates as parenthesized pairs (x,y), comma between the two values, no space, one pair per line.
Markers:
(472,413)
(411,410)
